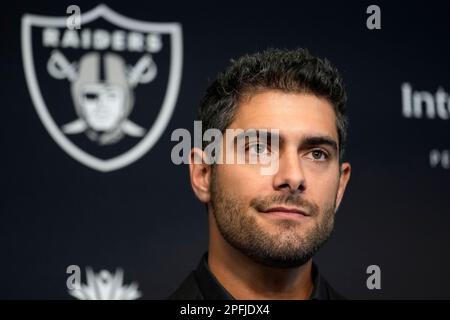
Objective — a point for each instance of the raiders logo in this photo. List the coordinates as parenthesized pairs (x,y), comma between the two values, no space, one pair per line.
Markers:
(105,92)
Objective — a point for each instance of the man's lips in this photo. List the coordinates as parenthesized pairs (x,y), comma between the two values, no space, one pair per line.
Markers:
(286,212)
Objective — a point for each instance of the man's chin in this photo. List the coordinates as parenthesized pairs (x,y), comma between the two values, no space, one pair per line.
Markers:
(280,248)
(282,262)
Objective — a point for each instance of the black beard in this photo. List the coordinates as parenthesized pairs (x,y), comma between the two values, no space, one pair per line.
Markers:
(288,249)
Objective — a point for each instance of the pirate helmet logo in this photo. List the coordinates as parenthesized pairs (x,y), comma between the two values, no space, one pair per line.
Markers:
(102,105)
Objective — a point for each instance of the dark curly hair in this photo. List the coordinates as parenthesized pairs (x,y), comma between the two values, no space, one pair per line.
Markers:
(279,69)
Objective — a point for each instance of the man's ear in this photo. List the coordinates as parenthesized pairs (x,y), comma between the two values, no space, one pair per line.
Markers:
(343,180)
(200,174)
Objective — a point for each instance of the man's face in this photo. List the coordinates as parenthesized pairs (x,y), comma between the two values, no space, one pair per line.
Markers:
(103,105)
(308,179)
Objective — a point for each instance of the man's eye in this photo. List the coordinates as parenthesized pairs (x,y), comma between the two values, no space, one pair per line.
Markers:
(111,94)
(91,96)
(318,155)
(258,148)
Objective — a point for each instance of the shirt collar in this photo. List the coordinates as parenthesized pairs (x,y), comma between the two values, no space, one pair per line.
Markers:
(211,288)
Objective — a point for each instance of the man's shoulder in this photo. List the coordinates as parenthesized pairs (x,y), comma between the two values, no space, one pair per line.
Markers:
(188,290)
(330,293)
(334,295)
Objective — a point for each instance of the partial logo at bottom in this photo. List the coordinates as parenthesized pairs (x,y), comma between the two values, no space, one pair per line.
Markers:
(103,285)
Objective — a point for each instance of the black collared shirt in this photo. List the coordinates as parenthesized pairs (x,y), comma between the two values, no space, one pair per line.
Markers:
(201,284)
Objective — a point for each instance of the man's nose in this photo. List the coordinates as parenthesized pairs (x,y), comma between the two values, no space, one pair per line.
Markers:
(290,174)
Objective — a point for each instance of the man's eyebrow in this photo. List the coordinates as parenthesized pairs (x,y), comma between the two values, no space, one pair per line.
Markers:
(307,141)
(317,140)
(256,133)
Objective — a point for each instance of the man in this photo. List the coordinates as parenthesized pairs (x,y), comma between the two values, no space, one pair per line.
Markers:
(265,229)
